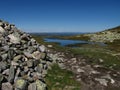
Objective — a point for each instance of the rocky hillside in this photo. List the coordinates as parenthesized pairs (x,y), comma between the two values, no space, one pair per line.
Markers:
(106,36)
(23,62)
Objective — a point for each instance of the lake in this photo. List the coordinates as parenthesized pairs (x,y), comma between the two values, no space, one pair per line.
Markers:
(63,42)
(47,38)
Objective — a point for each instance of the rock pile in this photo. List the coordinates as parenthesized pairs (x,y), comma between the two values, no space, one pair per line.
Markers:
(23,62)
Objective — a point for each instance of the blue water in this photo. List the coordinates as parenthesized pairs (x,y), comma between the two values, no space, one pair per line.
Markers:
(64,42)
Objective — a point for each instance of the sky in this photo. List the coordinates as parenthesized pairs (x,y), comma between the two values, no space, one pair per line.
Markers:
(61,15)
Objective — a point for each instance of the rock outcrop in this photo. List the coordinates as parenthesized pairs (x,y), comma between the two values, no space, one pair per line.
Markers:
(23,62)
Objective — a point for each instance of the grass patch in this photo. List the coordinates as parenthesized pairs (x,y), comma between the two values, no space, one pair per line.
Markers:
(59,79)
(98,53)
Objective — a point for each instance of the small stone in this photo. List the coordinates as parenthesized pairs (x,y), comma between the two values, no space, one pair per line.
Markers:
(1,78)
(18,57)
(3,65)
(28,55)
(43,55)
(4,57)
(40,85)
(49,46)
(32,86)
(7,86)
(6,48)
(6,72)
(29,63)
(102,81)
(80,70)
(26,69)
(14,63)
(14,39)
(11,74)
(1,23)
(42,48)
(21,84)
(8,27)
(101,60)
(36,62)
(11,53)
(36,55)
(39,68)
(2,30)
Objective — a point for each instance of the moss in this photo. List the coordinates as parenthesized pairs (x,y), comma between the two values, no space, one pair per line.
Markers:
(58,78)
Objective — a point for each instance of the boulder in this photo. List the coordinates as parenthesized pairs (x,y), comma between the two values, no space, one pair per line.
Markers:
(40,85)
(7,86)
(21,84)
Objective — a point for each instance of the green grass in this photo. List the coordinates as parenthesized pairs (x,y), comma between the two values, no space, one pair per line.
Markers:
(98,53)
(58,79)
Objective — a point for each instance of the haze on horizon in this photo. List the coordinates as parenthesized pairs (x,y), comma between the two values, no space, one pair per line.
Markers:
(61,15)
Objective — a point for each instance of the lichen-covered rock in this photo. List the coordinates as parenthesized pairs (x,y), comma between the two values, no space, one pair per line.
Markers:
(11,74)
(21,84)
(40,85)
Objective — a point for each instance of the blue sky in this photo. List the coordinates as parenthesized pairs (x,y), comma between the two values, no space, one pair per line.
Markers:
(61,15)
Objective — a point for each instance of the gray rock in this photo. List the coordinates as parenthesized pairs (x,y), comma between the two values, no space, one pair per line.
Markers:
(11,54)
(1,78)
(42,48)
(4,56)
(6,72)
(102,81)
(14,63)
(21,84)
(50,46)
(43,55)
(3,65)
(11,74)
(29,63)
(32,86)
(36,55)
(80,70)
(36,62)
(6,48)
(40,85)
(8,27)
(26,69)
(14,39)
(7,86)
(2,30)
(39,68)
(1,24)
(28,55)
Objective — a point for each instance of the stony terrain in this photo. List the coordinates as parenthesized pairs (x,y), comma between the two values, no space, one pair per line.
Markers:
(104,36)
(91,76)
(23,62)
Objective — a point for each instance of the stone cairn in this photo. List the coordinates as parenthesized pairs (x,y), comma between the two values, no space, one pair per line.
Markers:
(23,62)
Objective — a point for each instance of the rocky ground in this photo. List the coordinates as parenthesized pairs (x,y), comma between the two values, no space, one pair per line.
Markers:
(91,77)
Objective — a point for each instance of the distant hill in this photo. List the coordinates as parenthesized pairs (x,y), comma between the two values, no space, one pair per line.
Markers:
(108,35)
(115,29)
